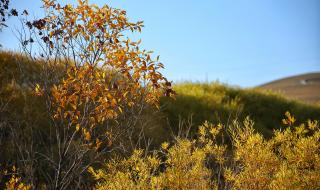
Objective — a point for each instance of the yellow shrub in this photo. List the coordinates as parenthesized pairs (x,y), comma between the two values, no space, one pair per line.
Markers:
(182,166)
(183,169)
(15,182)
(289,160)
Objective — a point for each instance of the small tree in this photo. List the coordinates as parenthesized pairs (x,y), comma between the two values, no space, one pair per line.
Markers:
(95,82)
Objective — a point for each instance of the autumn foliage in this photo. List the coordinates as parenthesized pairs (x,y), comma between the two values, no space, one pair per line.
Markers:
(107,73)
(289,160)
(78,123)
(108,69)
(94,82)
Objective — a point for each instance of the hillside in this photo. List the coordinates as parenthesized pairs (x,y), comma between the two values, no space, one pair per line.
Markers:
(220,103)
(203,101)
(24,122)
(305,87)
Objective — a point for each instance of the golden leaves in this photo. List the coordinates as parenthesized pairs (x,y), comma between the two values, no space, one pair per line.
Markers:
(289,120)
(38,91)
(284,161)
(87,135)
(77,127)
(165,145)
(100,25)
(15,182)
(313,125)
(85,86)
(108,73)
(48,3)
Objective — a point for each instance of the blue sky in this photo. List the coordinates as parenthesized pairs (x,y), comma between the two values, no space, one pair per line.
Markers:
(240,42)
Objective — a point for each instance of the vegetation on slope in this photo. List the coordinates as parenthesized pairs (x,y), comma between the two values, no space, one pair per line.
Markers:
(203,101)
(289,160)
(215,102)
(221,103)
(84,98)
(204,161)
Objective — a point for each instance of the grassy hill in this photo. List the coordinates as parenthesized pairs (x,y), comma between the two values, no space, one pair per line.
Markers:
(305,87)
(222,103)
(203,101)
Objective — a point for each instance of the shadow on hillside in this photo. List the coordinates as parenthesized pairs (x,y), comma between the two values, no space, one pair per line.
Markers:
(267,110)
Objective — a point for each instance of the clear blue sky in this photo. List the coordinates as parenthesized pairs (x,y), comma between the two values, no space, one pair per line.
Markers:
(241,42)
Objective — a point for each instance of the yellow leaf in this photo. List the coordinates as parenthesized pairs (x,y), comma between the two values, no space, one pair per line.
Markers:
(38,90)
(164,145)
(78,127)
(87,135)
(113,102)
(74,106)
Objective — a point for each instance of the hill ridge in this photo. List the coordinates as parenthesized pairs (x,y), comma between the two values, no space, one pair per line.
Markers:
(303,87)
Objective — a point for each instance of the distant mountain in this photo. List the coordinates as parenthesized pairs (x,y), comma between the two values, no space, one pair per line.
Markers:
(305,87)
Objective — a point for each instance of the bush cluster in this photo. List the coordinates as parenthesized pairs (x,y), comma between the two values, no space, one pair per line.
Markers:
(289,160)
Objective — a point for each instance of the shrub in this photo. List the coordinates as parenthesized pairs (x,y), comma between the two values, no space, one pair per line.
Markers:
(93,84)
(289,160)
